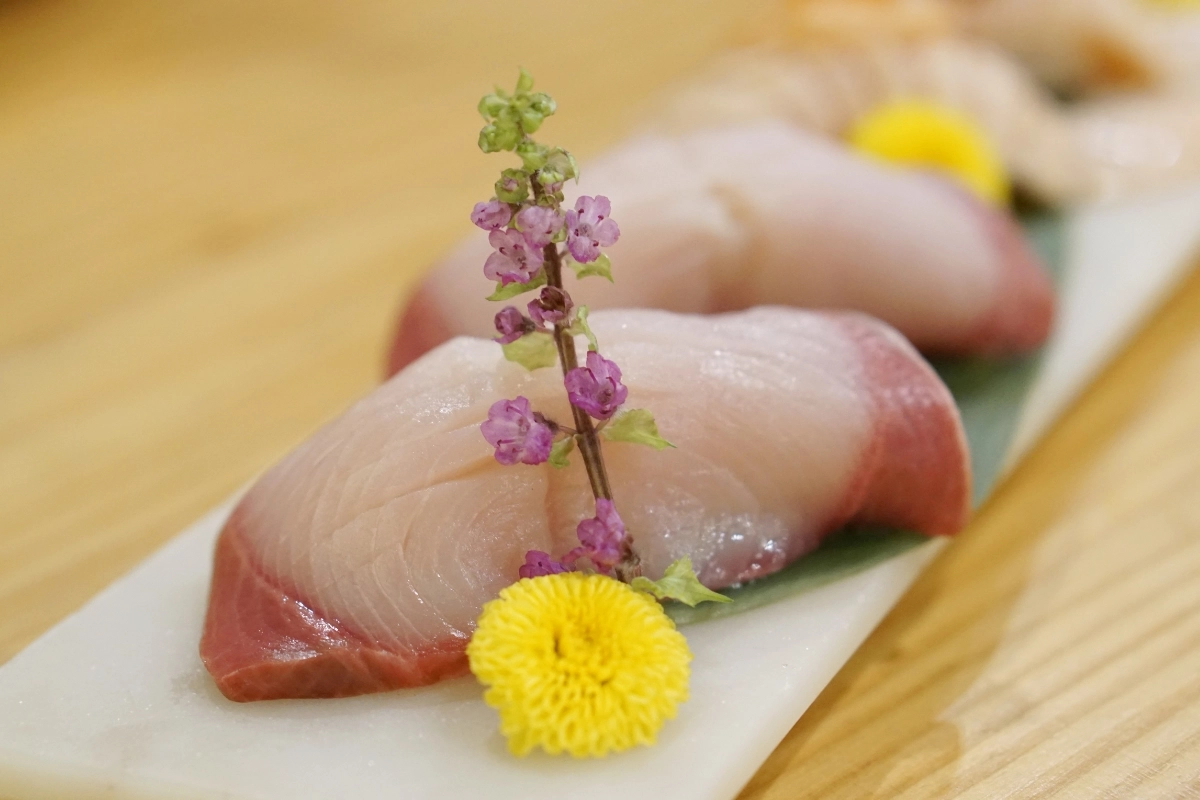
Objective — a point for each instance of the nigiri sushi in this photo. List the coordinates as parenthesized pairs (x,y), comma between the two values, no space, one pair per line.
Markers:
(827,90)
(723,219)
(1102,148)
(360,562)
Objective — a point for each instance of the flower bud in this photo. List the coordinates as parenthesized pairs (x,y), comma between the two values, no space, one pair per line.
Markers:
(551,307)
(513,186)
(503,134)
(491,105)
(531,120)
(560,167)
(533,155)
(543,104)
(511,324)
(488,139)
(524,81)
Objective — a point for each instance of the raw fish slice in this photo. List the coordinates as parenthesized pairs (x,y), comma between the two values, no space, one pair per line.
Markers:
(730,218)
(360,562)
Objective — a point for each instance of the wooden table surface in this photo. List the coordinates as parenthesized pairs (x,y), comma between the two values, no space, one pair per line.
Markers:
(209,212)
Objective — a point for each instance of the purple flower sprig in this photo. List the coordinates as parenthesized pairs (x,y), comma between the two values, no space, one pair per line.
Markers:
(534,234)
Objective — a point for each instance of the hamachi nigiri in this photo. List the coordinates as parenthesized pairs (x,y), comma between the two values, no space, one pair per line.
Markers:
(1104,148)
(360,562)
(827,90)
(726,219)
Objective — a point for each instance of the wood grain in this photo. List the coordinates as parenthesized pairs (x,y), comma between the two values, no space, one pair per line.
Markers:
(209,213)
(1053,650)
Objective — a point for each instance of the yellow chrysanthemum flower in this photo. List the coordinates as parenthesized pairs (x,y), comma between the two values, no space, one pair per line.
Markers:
(923,134)
(578,663)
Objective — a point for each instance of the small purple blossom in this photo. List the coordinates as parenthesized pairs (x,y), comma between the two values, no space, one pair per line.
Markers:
(511,324)
(589,228)
(519,435)
(596,388)
(538,564)
(550,307)
(540,224)
(514,260)
(600,538)
(492,215)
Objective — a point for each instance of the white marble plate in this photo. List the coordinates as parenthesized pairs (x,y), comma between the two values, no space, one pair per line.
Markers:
(113,702)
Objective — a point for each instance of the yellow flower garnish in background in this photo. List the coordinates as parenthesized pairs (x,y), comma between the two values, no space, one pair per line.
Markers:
(926,135)
(579,663)
(1175,5)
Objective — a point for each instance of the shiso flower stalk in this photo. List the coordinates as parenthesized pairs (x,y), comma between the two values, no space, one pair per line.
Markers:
(579,654)
(534,238)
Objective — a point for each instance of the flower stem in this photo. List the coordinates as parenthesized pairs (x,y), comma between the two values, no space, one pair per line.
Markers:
(630,565)
(589,442)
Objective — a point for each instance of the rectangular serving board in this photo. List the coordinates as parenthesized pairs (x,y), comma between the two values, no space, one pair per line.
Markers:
(114,703)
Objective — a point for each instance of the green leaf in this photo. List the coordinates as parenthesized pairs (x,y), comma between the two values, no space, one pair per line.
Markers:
(601,266)
(637,426)
(532,351)
(524,82)
(559,452)
(680,583)
(511,290)
(580,327)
